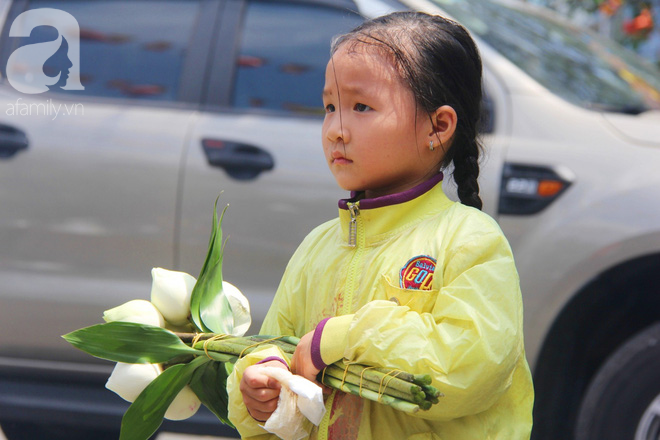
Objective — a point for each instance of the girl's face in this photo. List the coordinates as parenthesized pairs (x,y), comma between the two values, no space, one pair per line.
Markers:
(373,139)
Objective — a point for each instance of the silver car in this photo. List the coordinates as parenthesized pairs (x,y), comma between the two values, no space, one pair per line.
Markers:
(115,167)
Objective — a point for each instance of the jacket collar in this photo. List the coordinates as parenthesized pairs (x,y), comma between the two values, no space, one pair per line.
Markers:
(386,215)
(392,199)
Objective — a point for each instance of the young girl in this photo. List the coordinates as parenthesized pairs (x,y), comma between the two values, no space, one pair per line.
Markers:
(404,278)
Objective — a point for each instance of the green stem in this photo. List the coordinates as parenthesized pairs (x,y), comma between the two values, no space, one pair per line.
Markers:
(432,391)
(354,379)
(225,346)
(288,339)
(377,376)
(395,403)
(404,386)
(236,347)
(183,359)
(422,379)
(284,346)
(433,400)
(401,374)
(189,337)
(418,379)
(220,357)
(425,405)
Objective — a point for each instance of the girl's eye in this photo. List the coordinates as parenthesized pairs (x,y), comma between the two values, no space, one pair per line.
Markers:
(329,108)
(361,107)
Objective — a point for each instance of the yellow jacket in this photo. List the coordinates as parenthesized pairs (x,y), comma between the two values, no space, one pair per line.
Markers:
(430,286)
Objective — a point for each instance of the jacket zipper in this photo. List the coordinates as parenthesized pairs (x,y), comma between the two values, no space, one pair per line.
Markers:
(354,210)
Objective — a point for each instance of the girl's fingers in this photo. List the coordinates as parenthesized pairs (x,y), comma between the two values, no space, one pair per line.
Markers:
(262,394)
(259,406)
(253,379)
(259,417)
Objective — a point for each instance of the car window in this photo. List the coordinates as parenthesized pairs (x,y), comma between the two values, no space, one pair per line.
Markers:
(128,48)
(487,119)
(284,49)
(576,65)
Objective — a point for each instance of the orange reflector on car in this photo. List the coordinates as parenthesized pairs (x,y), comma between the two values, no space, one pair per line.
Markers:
(549,188)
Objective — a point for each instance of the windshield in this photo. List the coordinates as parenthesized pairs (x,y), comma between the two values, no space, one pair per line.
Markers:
(576,65)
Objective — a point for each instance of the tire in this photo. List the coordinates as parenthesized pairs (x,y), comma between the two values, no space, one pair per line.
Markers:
(623,400)
(36,431)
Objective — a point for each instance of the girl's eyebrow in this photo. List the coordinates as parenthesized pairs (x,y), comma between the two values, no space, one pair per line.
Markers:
(353,90)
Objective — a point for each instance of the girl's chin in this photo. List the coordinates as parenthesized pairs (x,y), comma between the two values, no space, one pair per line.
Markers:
(344,185)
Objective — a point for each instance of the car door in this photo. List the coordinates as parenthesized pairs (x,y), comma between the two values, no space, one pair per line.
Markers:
(258,142)
(89,206)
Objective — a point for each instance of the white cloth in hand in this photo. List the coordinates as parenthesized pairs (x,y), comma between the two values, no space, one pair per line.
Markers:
(299,398)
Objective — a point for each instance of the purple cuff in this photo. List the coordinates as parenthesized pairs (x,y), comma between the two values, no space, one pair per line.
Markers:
(317,360)
(273,358)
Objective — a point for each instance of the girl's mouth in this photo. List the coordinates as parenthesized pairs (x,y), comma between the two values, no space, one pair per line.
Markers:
(339,159)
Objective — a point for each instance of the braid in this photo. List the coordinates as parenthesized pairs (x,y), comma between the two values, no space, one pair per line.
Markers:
(466,172)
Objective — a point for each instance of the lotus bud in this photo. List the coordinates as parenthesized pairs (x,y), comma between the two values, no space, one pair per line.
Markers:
(184,405)
(170,293)
(240,308)
(138,311)
(129,380)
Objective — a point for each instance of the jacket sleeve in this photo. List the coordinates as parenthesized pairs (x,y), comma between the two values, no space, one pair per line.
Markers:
(248,427)
(278,322)
(470,342)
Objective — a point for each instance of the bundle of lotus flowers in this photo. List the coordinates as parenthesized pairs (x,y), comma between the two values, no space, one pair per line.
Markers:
(398,389)
(169,375)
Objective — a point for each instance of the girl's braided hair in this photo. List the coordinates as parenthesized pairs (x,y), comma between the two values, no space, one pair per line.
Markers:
(440,62)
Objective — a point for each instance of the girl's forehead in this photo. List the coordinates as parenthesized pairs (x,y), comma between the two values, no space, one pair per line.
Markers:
(368,76)
(357,50)
(361,62)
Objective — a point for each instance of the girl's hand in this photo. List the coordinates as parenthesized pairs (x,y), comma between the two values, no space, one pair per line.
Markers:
(302,364)
(260,392)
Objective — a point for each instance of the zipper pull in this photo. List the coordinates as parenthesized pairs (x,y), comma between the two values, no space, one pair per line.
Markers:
(354,209)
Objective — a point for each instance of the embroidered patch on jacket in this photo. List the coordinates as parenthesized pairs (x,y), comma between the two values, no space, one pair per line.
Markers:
(417,274)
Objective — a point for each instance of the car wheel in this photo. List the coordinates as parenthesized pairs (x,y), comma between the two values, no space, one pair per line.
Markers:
(34,431)
(623,400)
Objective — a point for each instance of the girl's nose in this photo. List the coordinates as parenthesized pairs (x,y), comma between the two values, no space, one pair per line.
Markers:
(336,129)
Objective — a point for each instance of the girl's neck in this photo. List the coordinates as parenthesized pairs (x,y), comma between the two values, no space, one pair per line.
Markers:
(381,192)
(391,199)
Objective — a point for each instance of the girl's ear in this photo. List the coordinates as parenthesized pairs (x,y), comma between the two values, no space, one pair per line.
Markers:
(444,121)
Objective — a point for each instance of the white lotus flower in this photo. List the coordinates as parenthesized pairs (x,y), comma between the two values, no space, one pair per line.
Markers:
(170,293)
(138,311)
(169,308)
(128,381)
(240,308)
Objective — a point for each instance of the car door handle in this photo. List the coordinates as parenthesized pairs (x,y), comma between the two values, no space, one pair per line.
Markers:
(12,140)
(240,161)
